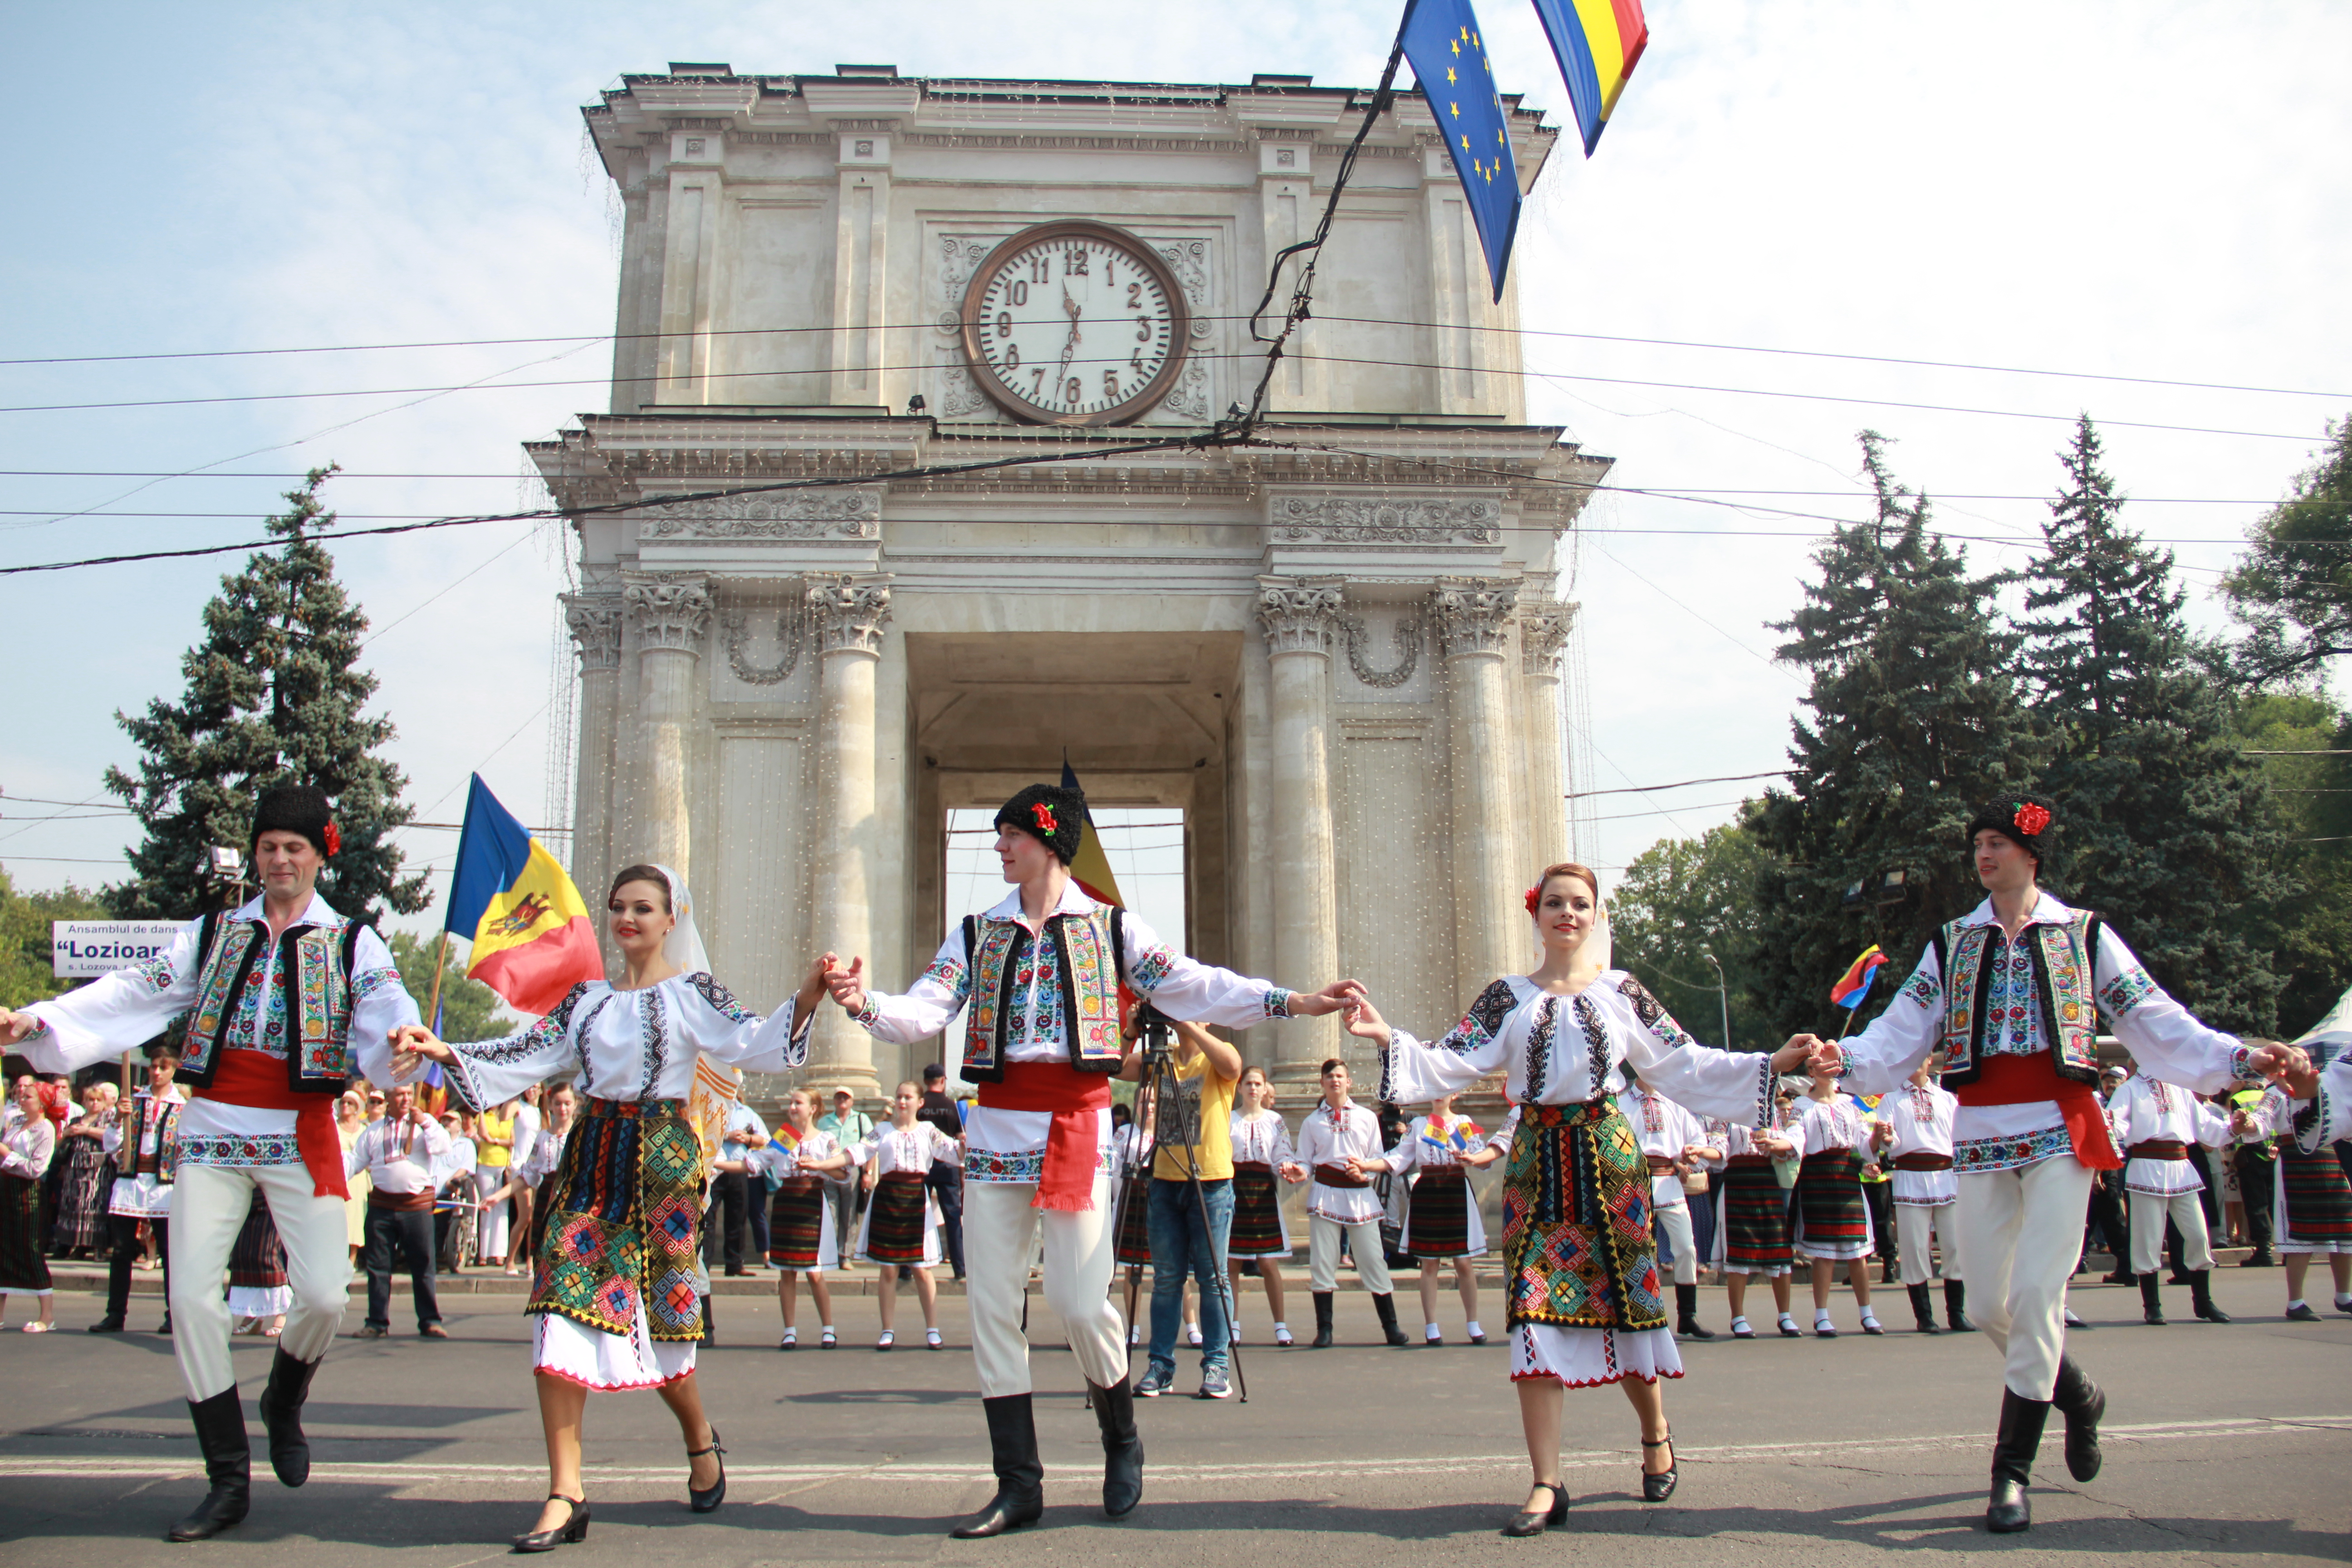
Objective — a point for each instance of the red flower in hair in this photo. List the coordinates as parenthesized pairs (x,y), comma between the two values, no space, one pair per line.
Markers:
(1044,815)
(1535,897)
(334,839)
(2031,818)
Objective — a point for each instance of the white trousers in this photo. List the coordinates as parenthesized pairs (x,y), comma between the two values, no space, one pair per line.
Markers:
(1000,1231)
(208,1212)
(1913,1222)
(2148,1213)
(1676,1223)
(1363,1242)
(2020,1232)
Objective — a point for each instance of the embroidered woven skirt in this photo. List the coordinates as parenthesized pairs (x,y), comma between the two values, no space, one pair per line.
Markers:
(1258,1229)
(1832,1215)
(22,1265)
(257,1267)
(1442,1217)
(1580,1266)
(898,1224)
(1135,1222)
(1753,1238)
(2314,1201)
(799,1226)
(81,1195)
(613,1280)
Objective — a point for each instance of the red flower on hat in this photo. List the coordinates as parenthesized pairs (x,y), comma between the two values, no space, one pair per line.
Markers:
(334,839)
(2031,818)
(1044,815)
(1534,896)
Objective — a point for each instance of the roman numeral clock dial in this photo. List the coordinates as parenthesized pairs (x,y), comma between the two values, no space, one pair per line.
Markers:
(1075,323)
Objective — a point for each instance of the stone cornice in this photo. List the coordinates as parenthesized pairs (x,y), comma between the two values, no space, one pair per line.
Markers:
(666,609)
(848,614)
(1299,616)
(595,622)
(1473,616)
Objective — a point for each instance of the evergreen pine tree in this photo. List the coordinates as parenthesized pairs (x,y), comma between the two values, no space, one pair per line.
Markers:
(2161,822)
(1915,721)
(274,694)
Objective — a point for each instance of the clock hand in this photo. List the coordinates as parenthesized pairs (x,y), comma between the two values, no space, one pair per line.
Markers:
(1071,347)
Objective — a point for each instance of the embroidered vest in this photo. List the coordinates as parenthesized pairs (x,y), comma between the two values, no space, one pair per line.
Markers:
(2063,957)
(163,1164)
(314,970)
(1088,950)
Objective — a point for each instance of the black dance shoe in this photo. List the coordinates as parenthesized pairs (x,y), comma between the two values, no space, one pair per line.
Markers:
(1535,1521)
(571,1532)
(1658,1488)
(707,1500)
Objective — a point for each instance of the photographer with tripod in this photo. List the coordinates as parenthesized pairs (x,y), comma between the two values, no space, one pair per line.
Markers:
(1193,1103)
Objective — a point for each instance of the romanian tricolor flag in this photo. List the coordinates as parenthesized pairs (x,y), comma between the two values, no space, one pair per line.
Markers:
(533,940)
(1598,43)
(1849,991)
(1091,869)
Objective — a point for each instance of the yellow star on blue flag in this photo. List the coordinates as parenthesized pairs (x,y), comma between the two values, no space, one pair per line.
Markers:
(1442,38)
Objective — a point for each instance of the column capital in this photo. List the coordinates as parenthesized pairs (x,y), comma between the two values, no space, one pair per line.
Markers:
(666,609)
(595,623)
(1542,634)
(1299,614)
(848,614)
(1473,614)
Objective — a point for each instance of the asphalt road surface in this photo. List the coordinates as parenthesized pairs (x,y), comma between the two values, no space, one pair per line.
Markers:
(2225,1445)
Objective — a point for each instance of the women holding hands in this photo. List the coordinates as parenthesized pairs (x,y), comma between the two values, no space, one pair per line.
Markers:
(1579,1265)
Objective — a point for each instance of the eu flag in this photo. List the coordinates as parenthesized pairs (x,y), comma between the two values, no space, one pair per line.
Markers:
(1448,52)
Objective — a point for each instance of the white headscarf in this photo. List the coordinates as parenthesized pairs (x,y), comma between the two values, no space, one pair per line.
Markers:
(683,946)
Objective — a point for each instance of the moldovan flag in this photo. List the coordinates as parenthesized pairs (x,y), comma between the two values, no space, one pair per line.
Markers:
(1091,869)
(1849,991)
(532,937)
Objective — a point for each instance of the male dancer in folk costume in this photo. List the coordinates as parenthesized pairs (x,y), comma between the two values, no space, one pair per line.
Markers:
(288,1000)
(1915,1136)
(1674,1142)
(1338,1144)
(144,1143)
(2156,1124)
(2012,992)
(1040,974)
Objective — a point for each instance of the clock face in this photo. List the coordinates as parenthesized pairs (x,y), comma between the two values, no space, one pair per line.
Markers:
(1075,323)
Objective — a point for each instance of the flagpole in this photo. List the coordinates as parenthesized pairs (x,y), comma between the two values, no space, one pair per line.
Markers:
(440,962)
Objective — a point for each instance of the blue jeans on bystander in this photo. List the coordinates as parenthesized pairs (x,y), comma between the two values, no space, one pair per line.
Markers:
(1180,1247)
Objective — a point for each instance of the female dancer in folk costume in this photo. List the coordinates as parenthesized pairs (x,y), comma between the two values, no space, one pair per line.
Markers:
(2312,1201)
(1579,1262)
(797,1164)
(614,1289)
(1262,1146)
(1132,1145)
(28,1142)
(1751,1230)
(1437,1153)
(1832,1219)
(902,1222)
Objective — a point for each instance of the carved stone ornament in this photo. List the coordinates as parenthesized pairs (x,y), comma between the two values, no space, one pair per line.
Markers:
(1362,519)
(791,635)
(774,514)
(666,609)
(1542,634)
(1474,618)
(1408,639)
(848,617)
(1299,617)
(595,623)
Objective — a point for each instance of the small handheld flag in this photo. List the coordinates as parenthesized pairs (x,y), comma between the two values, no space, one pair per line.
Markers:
(1849,991)
(1597,43)
(1448,52)
(532,937)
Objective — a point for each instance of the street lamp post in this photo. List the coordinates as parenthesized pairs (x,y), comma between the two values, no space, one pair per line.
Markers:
(1722,994)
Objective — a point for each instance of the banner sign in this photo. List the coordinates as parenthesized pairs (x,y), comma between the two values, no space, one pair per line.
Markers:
(84,950)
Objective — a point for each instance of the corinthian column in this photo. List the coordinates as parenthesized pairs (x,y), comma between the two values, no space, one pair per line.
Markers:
(669,611)
(595,623)
(1474,621)
(1298,619)
(1542,634)
(848,616)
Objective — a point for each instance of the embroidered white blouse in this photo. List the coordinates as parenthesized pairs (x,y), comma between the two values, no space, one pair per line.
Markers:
(1662,1127)
(1922,1120)
(1263,1138)
(1329,1137)
(2146,1108)
(1428,1147)
(904,1149)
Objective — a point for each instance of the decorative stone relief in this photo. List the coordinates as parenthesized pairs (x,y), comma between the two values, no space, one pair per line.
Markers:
(1299,617)
(959,395)
(1188,260)
(1542,634)
(1407,638)
(848,617)
(595,623)
(666,609)
(1474,618)
(792,634)
(776,514)
(1361,520)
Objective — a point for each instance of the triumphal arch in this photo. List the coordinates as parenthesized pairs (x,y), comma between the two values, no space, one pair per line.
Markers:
(1337,650)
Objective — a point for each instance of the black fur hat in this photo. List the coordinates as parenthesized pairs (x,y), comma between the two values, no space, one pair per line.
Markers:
(1053,816)
(298,808)
(2024,819)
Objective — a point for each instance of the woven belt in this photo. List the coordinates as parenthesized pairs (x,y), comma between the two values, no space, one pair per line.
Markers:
(2158,1148)
(1660,1164)
(1923,1161)
(1337,1176)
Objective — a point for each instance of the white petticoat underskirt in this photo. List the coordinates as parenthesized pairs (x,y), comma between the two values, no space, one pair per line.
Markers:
(1587,1358)
(260,1301)
(592,1358)
(1837,1251)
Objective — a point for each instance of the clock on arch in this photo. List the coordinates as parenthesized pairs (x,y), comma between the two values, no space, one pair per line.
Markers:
(1075,322)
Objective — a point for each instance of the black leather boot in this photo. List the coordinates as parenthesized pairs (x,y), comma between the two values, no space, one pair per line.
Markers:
(281,1417)
(2012,1462)
(1122,1450)
(1686,1312)
(1956,1306)
(2201,1297)
(2082,1403)
(228,1466)
(1923,1308)
(1020,1478)
(1385,1307)
(2151,1300)
(1322,1320)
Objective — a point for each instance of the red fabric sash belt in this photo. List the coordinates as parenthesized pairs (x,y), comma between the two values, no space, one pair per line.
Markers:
(256,1080)
(1078,1100)
(2028,1080)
